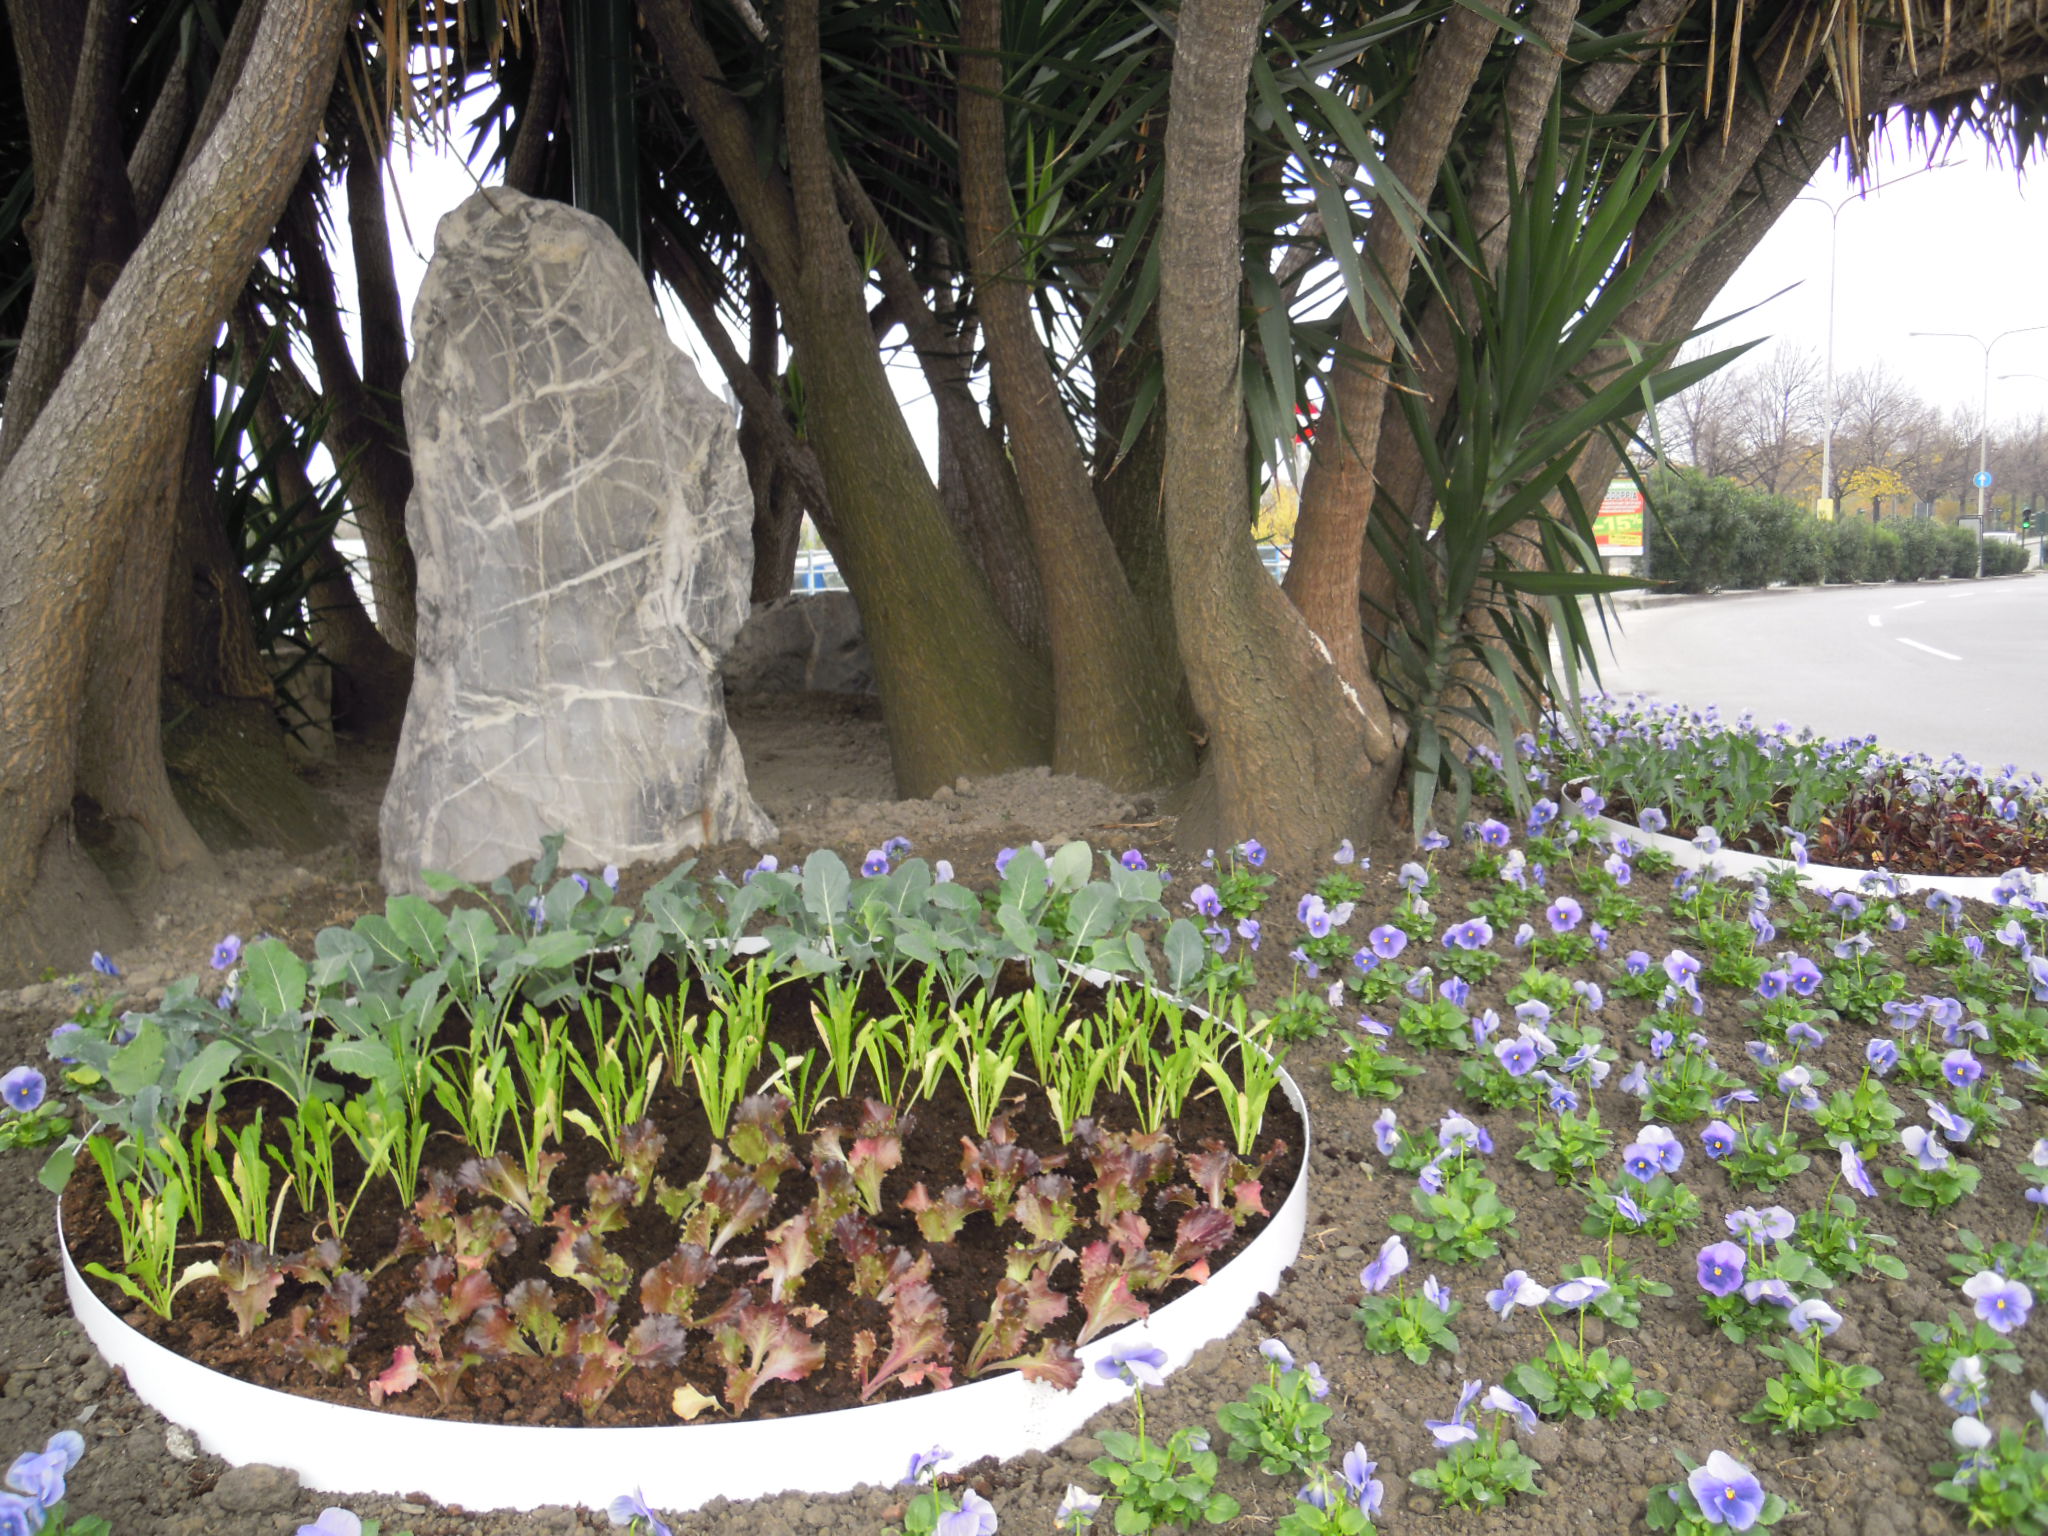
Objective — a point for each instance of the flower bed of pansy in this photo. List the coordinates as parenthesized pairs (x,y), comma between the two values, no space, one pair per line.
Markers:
(1715,1201)
(1770,789)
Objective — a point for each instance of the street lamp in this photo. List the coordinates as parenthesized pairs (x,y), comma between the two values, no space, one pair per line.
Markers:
(1834,208)
(1984,419)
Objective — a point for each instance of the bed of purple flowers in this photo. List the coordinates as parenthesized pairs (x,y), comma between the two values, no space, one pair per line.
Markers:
(1648,1198)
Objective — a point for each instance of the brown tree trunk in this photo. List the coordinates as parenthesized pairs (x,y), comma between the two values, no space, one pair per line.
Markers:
(778,510)
(977,482)
(155,157)
(1398,467)
(960,696)
(223,744)
(84,227)
(1337,493)
(1293,757)
(526,167)
(372,679)
(1114,717)
(126,812)
(93,462)
(371,453)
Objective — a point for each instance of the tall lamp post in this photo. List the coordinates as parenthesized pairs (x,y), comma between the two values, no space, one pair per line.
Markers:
(1984,407)
(1834,208)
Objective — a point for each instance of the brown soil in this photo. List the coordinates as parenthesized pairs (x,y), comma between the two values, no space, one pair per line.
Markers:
(1869,1481)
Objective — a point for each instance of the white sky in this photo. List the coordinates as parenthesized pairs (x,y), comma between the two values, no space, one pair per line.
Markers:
(1957,249)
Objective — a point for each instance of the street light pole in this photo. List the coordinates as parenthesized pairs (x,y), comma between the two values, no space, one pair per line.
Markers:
(1827,431)
(1984,418)
(1827,428)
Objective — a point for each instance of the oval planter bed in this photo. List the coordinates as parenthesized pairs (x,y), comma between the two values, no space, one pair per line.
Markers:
(522,1219)
(338,1449)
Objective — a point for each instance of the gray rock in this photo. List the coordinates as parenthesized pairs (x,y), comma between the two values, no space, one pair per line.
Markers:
(256,1489)
(806,641)
(1544,1443)
(581,518)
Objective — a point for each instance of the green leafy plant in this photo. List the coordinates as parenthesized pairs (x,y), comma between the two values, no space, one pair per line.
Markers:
(1813,1393)
(1399,1323)
(1480,1470)
(1568,1147)
(1280,1423)
(2000,1479)
(1172,1483)
(1461,1219)
(1369,1070)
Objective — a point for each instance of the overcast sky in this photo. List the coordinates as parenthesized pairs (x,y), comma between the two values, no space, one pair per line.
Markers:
(1957,249)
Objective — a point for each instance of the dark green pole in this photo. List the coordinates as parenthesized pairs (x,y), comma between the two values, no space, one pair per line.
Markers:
(606,153)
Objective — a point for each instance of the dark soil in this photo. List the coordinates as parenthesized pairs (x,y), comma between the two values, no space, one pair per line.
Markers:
(1869,1481)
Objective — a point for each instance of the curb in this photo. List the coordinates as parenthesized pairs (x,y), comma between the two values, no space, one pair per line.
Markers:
(1639,600)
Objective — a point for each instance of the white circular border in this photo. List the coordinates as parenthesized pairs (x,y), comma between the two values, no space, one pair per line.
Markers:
(338,1449)
(1826,877)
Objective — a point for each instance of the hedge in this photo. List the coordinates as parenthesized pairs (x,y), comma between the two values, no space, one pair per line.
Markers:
(1705,533)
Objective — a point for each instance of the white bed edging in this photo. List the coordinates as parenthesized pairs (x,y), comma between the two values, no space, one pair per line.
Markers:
(1826,877)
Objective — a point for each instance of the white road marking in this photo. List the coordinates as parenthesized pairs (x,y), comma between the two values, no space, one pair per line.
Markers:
(1876,622)
(1916,603)
(1930,650)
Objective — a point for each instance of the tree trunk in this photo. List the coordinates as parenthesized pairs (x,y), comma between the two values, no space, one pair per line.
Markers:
(1293,759)
(222,741)
(977,482)
(154,160)
(1113,693)
(526,167)
(93,462)
(1337,493)
(84,227)
(127,815)
(1398,468)
(374,467)
(372,679)
(960,695)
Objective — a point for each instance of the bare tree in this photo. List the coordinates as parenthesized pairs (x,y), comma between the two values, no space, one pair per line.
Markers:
(1782,411)
(1878,421)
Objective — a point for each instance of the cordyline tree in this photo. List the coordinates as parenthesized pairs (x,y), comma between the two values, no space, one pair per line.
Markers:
(1129,249)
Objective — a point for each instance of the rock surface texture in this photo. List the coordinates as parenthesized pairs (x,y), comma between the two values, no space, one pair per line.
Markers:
(807,641)
(580,517)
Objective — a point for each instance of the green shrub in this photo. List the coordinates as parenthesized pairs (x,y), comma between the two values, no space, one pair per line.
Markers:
(1925,553)
(1962,550)
(1846,549)
(1707,533)
(2003,559)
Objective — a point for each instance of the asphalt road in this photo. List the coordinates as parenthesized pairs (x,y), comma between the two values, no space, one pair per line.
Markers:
(1930,668)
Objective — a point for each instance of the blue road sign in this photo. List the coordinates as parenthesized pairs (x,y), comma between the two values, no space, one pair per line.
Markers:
(1981,480)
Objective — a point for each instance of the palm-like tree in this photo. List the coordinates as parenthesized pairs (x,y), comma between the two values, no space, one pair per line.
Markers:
(1019,193)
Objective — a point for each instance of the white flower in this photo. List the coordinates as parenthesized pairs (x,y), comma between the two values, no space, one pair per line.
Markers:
(1970,1433)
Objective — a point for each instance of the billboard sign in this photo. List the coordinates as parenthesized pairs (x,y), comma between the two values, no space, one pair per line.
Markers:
(1618,525)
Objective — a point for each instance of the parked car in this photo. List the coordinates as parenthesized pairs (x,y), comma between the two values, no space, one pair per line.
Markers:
(1276,558)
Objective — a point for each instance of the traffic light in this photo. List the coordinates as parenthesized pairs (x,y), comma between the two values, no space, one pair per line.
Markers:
(2026,518)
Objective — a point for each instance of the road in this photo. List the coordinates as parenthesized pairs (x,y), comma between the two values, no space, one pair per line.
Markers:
(1930,668)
